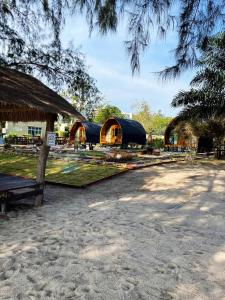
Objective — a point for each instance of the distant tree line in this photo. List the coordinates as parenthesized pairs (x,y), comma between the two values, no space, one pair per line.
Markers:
(154,123)
(106,111)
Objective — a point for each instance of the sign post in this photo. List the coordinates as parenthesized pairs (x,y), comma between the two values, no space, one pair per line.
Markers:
(51,138)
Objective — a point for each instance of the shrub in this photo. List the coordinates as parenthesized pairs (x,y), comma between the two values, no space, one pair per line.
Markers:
(158,143)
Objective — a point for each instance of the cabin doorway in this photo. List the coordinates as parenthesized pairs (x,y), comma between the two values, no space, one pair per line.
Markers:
(205,144)
(114,135)
(80,136)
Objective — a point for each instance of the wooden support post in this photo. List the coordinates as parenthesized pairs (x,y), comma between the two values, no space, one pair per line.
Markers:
(3,206)
(42,160)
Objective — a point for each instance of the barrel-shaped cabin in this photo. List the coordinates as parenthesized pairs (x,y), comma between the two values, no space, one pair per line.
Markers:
(174,138)
(117,131)
(84,132)
(177,137)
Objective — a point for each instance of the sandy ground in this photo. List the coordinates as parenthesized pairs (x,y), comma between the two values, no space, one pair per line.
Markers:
(155,233)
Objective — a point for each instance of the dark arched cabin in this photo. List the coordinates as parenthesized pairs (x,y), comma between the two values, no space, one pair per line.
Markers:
(117,131)
(84,132)
(183,139)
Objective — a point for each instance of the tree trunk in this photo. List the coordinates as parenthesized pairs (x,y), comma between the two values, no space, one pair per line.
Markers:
(42,160)
(217,154)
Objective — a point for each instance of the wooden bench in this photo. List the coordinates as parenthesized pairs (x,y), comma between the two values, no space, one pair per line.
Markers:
(14,188)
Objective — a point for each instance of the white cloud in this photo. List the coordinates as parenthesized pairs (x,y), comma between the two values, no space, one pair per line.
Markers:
(110,66)
(122,89)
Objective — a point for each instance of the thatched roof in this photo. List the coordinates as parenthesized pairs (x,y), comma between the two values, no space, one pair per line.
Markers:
(170,127)
(24,98)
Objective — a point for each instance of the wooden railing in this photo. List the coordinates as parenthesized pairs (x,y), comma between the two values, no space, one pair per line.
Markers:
(23,140)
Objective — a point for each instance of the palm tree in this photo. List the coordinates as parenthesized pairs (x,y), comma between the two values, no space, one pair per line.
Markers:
(204,104)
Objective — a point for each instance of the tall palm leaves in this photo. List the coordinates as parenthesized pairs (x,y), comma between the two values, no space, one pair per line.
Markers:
(204,104)
(200,104)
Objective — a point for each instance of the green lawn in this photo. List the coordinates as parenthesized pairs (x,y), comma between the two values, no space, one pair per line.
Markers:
(58,171)
(92,153)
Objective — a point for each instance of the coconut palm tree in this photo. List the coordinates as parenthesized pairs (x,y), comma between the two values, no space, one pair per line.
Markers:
(204,104)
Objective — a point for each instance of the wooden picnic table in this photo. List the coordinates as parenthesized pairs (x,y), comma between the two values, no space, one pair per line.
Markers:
(9,187)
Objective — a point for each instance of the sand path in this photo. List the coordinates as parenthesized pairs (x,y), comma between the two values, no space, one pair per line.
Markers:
(155,233)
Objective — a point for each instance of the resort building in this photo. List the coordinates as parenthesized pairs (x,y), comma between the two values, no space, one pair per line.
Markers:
(24,128)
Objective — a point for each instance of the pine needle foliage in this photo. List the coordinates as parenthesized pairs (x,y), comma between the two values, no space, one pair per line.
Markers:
(30,41)
(25,24)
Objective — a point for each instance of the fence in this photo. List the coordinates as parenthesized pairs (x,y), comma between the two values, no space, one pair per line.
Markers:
(24,140)
(175,148)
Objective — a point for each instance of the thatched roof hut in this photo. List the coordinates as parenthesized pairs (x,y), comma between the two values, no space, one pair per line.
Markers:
(169,137)
(24,98)
(178,137)
(85,132)
(117,131)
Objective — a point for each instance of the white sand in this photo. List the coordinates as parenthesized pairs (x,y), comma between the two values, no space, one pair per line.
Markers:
(156,233)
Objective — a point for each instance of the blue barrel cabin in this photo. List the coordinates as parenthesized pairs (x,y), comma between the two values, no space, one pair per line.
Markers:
(84,132)
(117,131)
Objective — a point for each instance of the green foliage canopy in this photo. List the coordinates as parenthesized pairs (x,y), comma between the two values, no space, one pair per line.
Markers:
(30,41)
(194,21)
(206,98)
(30,30)
(107,111)
(143,115)
(154,123)
(84,95)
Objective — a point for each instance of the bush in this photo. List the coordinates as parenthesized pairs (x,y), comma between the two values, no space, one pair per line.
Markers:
(7,146)
(10,138)
(158,143)
(60,133)
(64,133)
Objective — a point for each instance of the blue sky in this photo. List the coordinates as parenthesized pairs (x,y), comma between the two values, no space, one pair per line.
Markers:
(109,65)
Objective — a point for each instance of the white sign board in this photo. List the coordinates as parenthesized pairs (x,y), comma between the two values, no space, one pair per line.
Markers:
(51,138)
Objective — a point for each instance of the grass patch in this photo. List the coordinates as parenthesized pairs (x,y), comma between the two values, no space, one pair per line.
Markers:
(92,153)
(58,170)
